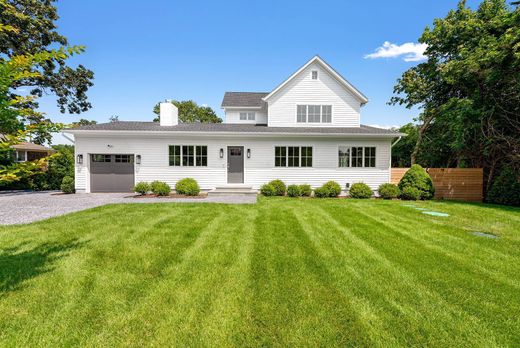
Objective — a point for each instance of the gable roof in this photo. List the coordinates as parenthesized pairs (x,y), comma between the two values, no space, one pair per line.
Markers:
(342,81)
(233,128)
(244,99)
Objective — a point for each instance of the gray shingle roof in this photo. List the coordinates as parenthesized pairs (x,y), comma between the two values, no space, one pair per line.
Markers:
(246,99)
(233,128)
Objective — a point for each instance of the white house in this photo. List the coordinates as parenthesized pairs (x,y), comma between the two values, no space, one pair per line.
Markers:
(306,130)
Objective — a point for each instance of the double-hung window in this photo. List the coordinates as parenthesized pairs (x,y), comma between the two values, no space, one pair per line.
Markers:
(301,113)
(313,113)
(293,156)
(357,156)
(188,155)
(247,116)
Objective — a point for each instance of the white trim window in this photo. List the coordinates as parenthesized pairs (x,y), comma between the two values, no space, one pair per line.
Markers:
(247,116)
(314,113)
(293,156)
(188,155)
(356,156)
(314,74)
(20,156)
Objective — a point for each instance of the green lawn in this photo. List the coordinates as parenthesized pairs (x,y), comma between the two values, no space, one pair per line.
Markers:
(281,272)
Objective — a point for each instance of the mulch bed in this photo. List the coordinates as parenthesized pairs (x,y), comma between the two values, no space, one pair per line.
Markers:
(172,195)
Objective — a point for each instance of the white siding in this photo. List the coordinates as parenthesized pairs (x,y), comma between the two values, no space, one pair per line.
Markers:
(324,91)
(258,170)
(233,116)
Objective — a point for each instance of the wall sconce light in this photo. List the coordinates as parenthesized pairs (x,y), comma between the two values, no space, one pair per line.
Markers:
(79,159)
(138,159)
(347,185)
(221,153)
(110,145)
(248,153)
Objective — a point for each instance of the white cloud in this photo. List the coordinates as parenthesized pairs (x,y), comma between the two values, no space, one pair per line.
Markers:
(410,51)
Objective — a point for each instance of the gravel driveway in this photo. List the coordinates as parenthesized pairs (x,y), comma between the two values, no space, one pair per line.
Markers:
(26,207)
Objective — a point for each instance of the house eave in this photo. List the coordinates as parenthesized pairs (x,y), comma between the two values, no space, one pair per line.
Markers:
(234,134)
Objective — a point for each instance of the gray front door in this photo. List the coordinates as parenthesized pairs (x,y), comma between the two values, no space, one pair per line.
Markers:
(235,164)
(111,173)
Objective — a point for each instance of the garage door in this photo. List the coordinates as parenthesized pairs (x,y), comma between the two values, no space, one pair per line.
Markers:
(111,173)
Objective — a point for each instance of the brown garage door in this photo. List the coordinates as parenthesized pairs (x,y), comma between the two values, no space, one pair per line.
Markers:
(111,173)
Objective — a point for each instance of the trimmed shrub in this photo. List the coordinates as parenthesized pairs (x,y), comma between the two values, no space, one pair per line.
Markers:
(333,188)
(267,190)
(321,192)
(67,185)
(188,187)
(294,191)
(410,193)
(388,191)
(142,187)
(279,187)
(360,190)
(160,188)
(417,177)
(506,188)
(329,189)
(305,190)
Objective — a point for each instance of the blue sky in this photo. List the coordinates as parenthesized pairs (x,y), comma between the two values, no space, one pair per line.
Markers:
(145,51)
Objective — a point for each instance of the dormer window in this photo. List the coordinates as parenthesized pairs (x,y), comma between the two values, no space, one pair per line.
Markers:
(314,74)
(247,116)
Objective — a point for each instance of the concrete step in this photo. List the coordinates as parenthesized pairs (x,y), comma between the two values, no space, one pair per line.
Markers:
(232,191)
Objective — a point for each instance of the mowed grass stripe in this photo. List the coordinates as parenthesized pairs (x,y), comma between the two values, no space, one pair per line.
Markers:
(283,272)
(443,275)
(391,282)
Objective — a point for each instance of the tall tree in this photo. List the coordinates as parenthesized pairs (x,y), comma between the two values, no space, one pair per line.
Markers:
(191,112)
(469,87)
(35,31)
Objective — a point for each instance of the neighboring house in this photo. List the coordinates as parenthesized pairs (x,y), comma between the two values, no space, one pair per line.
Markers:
(26,151)
(306,130)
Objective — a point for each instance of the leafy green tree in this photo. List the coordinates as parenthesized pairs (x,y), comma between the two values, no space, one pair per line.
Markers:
(35,31)
(402,151)
(468,89)
(83,122)
(15,111)
(191,112)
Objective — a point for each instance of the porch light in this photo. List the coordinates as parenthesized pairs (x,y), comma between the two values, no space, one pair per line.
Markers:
(221,153)
(79,159)
(248,153)
(347,185)
(138,159)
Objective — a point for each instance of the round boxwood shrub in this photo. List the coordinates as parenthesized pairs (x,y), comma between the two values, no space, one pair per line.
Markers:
(321,192)
(267,190)
(417,177)
(410,193)
(329,189)
(388,191)
(505,188)
(67,185)
(293,191)
(333,188)
(360,190)
(279,187)
(160,188)
(188,187)
(305,190)
(142,188)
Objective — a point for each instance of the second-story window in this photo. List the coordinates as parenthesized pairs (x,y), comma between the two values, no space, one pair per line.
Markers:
(247,116)
(314,74)
(314,113)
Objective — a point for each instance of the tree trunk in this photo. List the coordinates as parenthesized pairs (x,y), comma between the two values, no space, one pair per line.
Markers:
(422,130)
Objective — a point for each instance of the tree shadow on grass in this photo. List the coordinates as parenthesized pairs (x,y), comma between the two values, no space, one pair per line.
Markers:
(18,264)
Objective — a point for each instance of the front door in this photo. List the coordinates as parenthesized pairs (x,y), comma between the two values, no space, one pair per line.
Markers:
(235,164)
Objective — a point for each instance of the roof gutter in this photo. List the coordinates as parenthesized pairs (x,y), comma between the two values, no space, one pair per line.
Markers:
(238,134)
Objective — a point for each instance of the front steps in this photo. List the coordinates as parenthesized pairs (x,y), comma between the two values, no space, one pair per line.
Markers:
(233,190)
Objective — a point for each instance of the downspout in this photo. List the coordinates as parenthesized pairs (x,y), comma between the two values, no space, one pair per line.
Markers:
(395,142)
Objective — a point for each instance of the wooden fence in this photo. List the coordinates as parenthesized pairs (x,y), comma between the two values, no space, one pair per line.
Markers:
(464,184)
